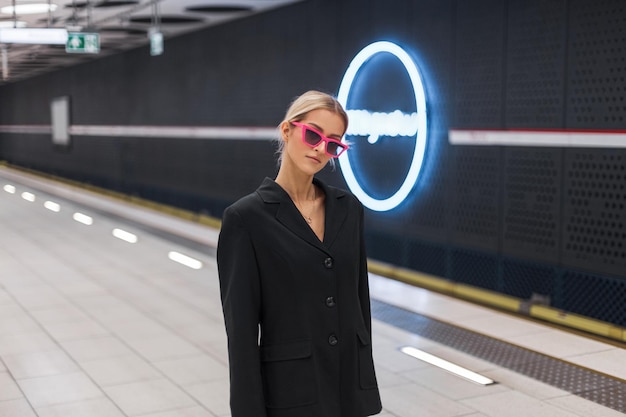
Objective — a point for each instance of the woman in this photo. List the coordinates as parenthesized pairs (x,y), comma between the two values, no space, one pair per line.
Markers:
(293,279)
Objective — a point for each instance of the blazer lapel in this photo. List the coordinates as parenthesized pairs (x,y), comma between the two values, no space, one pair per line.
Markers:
(287,213)
(336,212)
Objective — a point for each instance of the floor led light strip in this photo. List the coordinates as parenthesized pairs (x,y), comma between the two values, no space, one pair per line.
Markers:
(52,206)
(83,218)
(448,366)
(28,196)
(184,260)
(125,236)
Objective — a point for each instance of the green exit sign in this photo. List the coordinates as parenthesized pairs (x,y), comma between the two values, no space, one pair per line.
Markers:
(83,43)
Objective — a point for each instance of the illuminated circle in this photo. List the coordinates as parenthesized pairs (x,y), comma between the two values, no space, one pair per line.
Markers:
(420,139)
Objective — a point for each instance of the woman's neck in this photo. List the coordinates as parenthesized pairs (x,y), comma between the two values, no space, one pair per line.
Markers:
(299,187)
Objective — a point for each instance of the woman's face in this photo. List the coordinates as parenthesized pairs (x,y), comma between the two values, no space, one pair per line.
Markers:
(305,158)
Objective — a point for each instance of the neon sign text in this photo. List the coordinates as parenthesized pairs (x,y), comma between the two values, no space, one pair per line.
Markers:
(377,124)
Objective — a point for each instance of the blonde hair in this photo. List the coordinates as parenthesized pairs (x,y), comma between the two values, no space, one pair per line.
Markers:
(305,103)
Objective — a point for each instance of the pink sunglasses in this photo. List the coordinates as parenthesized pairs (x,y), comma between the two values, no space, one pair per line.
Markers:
(312,137)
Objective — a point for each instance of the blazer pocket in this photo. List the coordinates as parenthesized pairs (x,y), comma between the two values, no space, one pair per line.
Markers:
(288,377)
(367,375)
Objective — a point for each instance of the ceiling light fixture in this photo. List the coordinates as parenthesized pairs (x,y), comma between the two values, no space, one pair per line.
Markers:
(29,8)
(105,4)
(218,9)
(44,36)
(12,24)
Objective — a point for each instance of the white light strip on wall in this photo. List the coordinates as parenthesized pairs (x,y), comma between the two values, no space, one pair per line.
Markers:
(27,129)
(9,188)
(187,132)
(185,260)
(52,206)
(539,138)
(184,132)
(83,218)
(125,236)
(448,366)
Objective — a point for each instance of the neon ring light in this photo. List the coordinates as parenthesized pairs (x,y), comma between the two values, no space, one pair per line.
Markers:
(420,126)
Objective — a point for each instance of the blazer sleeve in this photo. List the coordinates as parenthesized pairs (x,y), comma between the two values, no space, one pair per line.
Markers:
(241,303)
(364,292)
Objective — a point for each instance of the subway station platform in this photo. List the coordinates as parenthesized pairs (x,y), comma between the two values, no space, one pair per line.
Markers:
(108,309)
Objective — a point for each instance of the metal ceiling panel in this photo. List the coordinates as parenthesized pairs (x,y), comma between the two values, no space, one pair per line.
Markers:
(121,25)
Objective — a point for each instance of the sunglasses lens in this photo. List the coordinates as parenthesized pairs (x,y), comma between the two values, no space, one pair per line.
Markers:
(333,148)
(312,138)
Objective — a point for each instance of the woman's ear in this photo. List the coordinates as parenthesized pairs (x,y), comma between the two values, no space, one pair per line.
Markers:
(285,128)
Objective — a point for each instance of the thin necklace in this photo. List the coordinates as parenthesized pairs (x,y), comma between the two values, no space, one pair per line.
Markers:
(309,218)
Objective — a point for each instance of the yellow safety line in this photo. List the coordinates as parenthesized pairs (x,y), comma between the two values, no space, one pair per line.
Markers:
(501,301)
(579,322)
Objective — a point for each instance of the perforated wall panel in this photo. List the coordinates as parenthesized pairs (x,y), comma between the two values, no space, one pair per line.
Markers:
(596,68)
(480,37)
(593,295)
(525,279)
(475,268)
(428,258)
(475,212)
(594,217)
(532,202)
(386,247)
(535,63)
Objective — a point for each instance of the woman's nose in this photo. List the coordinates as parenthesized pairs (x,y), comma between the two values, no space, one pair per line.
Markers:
(320,146)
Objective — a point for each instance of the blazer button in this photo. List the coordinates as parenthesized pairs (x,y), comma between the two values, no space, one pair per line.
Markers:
(332,340)
(330,301)
(328,263)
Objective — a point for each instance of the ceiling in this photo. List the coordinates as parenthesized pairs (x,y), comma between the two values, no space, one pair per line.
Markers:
(121,24)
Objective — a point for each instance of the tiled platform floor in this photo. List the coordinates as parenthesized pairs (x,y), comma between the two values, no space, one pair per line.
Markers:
(91,325)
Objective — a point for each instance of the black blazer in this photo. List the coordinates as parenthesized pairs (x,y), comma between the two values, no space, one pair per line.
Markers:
(297,310)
